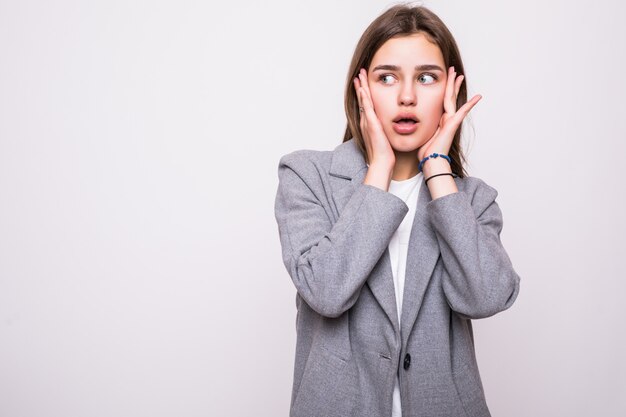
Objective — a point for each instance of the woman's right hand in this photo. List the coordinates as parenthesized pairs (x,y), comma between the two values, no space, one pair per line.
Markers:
(378,148)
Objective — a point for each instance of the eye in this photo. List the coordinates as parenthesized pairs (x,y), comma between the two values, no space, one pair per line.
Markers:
(384,77)
(428,76)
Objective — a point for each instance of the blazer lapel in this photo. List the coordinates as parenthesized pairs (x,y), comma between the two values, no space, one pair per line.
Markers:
(348,169)
(423,253)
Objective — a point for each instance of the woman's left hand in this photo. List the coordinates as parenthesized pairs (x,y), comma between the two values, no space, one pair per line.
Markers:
(450,120)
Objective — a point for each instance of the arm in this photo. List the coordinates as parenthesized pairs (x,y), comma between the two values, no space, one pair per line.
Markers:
(480,280)
(329,263)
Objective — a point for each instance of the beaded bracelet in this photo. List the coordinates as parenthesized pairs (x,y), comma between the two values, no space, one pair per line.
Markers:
(434,155)
(445,173)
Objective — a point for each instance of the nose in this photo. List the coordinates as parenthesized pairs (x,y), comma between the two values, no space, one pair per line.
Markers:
(408,97)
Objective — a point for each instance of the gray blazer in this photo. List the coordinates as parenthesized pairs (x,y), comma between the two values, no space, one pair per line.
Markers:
(334,232)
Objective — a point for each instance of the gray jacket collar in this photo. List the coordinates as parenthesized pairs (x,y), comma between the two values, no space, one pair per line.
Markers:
(347,160)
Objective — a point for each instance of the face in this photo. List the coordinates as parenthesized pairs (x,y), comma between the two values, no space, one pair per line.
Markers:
(408,75)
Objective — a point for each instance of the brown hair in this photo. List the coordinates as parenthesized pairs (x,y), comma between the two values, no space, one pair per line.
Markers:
(403,20)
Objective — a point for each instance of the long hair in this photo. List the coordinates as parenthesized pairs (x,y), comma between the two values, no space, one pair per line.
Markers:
(403,20)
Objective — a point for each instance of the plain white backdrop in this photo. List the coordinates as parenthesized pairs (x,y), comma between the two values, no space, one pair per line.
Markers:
(140,265)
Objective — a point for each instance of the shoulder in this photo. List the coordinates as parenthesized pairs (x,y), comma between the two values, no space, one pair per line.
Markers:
(301,157)
(306,162)
(344,161)
(303,176)
(481,195)
(475,186)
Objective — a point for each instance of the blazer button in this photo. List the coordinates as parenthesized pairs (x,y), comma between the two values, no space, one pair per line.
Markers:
(407,361)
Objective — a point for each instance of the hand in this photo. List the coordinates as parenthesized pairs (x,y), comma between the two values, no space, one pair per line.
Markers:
(376,142)
(450,120)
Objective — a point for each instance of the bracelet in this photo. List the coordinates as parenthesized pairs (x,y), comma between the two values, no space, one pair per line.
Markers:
(445,173)
(433,155)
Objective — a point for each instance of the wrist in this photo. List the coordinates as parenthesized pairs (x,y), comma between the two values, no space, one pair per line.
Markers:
(436,166)
(379,175)
(383,162)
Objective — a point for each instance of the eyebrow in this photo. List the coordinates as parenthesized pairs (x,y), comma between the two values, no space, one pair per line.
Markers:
(425,67)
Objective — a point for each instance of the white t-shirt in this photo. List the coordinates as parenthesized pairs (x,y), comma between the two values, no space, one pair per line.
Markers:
(408,191)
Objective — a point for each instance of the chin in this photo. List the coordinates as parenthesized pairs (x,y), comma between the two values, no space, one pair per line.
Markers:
(405,143)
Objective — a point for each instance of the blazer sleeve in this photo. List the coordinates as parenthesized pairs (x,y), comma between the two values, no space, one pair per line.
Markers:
(329,262)
(480,279)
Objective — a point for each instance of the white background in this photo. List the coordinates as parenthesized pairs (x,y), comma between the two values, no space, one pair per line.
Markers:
(140,265)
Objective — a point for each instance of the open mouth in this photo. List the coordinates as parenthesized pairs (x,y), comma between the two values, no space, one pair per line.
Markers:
(406,118)
(405,121)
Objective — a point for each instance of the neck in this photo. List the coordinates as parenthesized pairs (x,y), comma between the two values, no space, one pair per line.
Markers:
(406,165)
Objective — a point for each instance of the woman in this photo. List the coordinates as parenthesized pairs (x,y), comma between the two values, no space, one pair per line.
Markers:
(392,248)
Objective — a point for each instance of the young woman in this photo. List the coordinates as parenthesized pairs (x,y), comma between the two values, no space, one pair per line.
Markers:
(392,248)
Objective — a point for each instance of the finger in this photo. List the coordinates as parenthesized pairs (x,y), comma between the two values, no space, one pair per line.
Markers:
(364,80)
(360,94)
(366,101)
(357,88)
(365,86)
(459,81)
(465,109)
(362,113)
(457,119)
(449,103)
